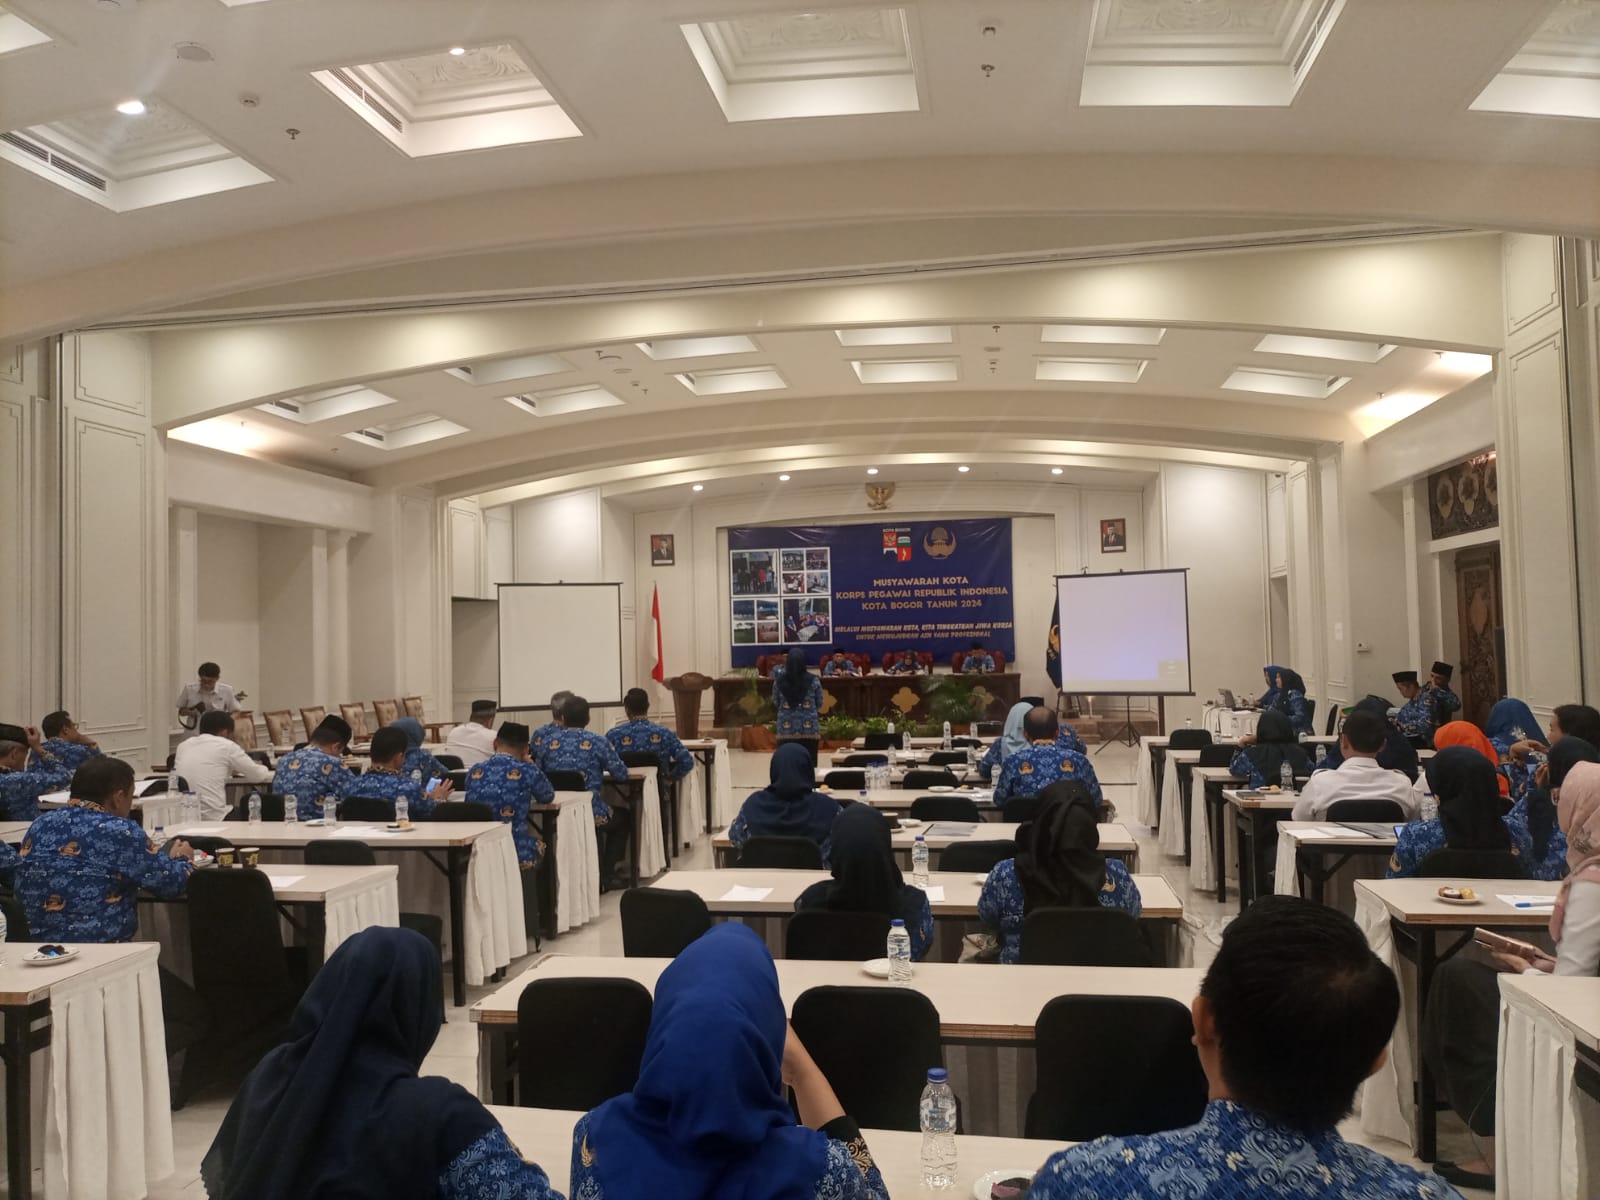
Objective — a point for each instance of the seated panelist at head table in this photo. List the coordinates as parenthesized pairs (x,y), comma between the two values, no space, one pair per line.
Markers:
(977,661)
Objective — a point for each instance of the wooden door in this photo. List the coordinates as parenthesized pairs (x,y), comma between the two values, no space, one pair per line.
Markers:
(1481,670)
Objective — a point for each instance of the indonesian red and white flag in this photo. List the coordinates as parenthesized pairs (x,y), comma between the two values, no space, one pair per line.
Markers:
(659,671)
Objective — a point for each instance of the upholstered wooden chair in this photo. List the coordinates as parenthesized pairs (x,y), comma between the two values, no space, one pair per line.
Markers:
(280,726)
(386,711)
(413,707)
(244,729)
(355,715)
(311,718)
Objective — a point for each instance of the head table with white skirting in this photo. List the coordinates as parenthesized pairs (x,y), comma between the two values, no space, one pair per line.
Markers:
(107,1131)
(464,871)
(544,1136)
(1547,1120)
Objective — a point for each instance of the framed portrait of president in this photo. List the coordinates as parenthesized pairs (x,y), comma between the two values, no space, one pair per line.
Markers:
(1114,536)
(663,549)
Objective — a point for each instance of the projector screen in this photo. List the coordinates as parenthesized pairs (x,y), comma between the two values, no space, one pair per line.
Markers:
(560,637)
(1126,633)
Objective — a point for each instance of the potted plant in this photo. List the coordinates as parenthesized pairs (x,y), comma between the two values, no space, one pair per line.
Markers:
(754,714)
(840,730)
(952,698)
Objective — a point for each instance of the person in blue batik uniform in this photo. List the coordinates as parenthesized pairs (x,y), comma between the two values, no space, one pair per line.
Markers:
(789,806)
(541,735)
(710,1114)
(1012,740)
(638,732)
(1042,762)
(1512,724)
(509,782)
(21,785)
(1294,1013)
(978,661)
(840,665)
(1291,700)
(866,877)
(1525,765)
(797,697)
(575,748)
(315,770)
(1468,790)
(1269,698)
(1533,819)
(417,759)
(339,1109)
(1261,755)
(69,745)
(81,867)
(906,664)
(387,778)
(1057,865)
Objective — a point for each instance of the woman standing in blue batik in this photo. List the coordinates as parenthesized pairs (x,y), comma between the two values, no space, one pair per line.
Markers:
(797,695)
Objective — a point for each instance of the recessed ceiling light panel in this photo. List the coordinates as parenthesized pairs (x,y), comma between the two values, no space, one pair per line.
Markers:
(17,34)
(503,370)
(405,432)
(1557,72)
(664,349)
(1316,347)
(1307,385)
(730,380)
(896,335)
(1104,335)
(560,402)
(918,370)
(1089,370)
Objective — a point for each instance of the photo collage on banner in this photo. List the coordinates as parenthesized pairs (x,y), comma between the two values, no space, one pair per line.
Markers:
(782,596)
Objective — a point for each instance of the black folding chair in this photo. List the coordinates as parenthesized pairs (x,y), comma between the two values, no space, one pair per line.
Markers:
(1188,739)
(346,852)
(461,810)
(1019,810)
(366,808)
(924,777)
(1367,810)
(960,742)
(818,933)
(879,741)
(864,760)
(640,758)
(1083,937)
(271,809)
(1472,864)
(661,922)
(1143,1042)
(567,781)
(782,853)
(945,808)
(450,762)
(947,758)
(1217,756)
(874,1046)
(976,857)
(847,781)
(580,1041)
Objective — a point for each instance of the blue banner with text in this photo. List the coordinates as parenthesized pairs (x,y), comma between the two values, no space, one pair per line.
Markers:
(936,586)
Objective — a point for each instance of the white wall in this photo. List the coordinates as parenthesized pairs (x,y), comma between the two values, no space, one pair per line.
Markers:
(557,538)
(292,576)
(475,653)
(228,616)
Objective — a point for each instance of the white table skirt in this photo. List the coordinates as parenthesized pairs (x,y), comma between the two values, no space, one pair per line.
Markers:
(691,791)
(495,929)
(577,862)
(108,1124)
(1144,785)
(1547,1131)
(1170,836)
(1386,1107)
(652,846)
(1339,891)
(349,909)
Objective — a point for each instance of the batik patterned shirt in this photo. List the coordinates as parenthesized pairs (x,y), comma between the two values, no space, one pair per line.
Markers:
(588,752)
(1297,708)
(20,790)
(642,734)
(849,1173)
(492,1168)
(308,775)
(80,872)
(848,667)
(1232,1154)
(385,785)
(420,760)
(977,664)
(1418,839)
(1553,866)
(509,786)
(1066,737)
(798,720)
(71,755)
(1032,769)
(1000,904)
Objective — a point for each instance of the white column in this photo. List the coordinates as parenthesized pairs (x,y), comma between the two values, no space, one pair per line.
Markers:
(320,640)
(183,591)
(1408,511)
(339,615)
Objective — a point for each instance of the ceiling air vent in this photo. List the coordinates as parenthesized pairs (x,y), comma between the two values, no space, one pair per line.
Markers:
(23,144)
(367,98)
(288,406)
(65,165)
(371,435)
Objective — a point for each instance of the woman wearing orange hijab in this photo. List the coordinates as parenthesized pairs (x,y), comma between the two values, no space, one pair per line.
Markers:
(1465,733)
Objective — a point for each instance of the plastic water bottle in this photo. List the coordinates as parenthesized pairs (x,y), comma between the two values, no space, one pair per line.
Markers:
(1188,722)
(890,730)
(190,806)
(330,811)
(1430,806)
(938,1121)
(899,952)
(291,810)
(946,745)
(905,739)
(416,777)
(919,861)
(1286,776)
(402,811)
(254,808)
(1322,755)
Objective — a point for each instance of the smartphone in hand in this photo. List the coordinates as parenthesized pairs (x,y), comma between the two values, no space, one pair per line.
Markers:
(1490,940)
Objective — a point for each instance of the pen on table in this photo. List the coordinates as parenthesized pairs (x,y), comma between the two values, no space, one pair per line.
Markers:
(1535,903)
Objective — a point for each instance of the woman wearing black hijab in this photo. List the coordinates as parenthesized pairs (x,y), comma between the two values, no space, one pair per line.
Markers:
(797,696)
(1291,701)
(1468,789)
(1058,865)
(866,877)
(338,1111)
(1534,816)
(789,806)
(1261,761)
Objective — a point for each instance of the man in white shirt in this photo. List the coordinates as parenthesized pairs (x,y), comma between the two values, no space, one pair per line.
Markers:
(209,759)
(206,695)
(473,740)
(1359,776)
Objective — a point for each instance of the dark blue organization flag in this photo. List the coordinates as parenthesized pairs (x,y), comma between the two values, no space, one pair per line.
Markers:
(1052,645)
(871,588)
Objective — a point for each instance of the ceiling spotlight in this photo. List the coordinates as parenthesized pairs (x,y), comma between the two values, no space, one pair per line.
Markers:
(131,108)
(783,479)
(699,487)
(1055,470)
(457,51)
(872,470)
(963,468)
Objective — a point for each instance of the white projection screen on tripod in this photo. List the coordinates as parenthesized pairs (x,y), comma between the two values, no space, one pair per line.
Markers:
(1125,634)
(557,637)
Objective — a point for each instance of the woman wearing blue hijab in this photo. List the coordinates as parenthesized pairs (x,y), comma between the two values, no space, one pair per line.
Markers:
(789,806)
(418,759)
(338,1111)
(1013,739)
(1291,699)
(1512,723)
(1270,696)
(708,1117)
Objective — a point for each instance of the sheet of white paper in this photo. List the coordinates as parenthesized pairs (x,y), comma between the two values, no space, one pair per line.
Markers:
(179,830)
(739,892)
(935,893)
(143,786)
(54,797)
(369,831)
(284,881)
(1528,901)
(1317,834)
